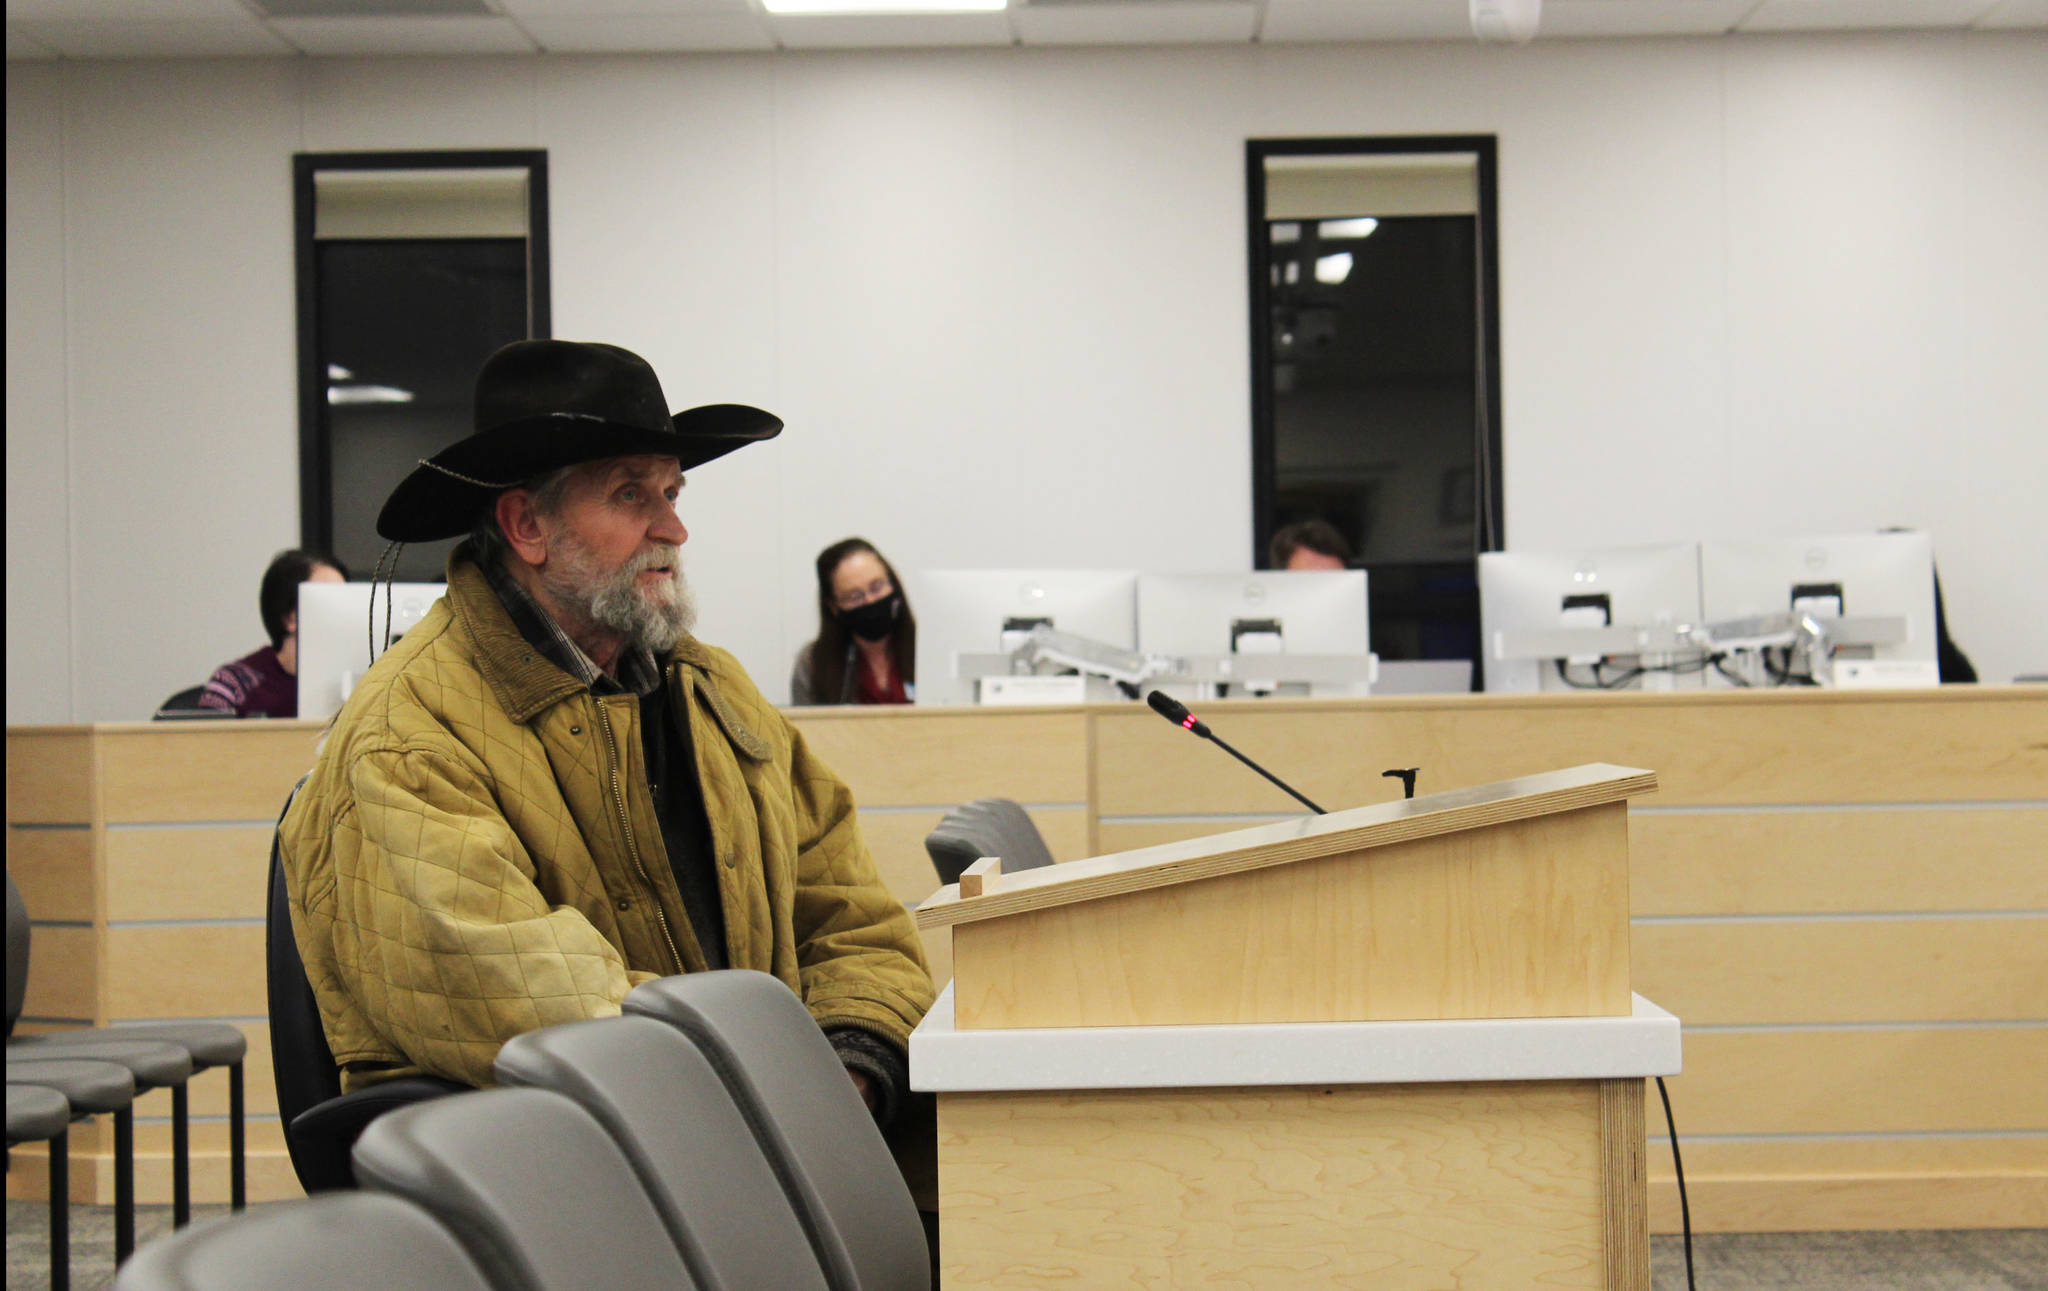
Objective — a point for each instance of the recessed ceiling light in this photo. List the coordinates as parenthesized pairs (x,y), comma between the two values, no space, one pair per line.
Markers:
(1360,227)
(883,6)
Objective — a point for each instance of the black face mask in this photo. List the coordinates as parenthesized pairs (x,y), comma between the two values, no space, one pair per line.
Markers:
(875,620)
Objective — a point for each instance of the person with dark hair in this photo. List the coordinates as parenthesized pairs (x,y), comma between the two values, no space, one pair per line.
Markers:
(550,791)
(866,648)
(1309,544)
(266,683)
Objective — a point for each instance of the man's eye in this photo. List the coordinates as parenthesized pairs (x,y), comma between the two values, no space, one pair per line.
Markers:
(629,495)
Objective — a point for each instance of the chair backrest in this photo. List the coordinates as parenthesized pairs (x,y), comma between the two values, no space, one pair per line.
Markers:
(17,952)
(539,1195)
(299,1057)
(185,705)
(803,1110)
(661,1102)
(986,827)
(342,1241)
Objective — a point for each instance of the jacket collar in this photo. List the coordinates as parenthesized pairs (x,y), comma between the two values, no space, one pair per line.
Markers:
(525,683)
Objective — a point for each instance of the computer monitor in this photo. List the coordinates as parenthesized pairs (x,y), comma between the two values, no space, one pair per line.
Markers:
(1878,583)
(335,631)
(1266,612)
(1525,593)
(991,611)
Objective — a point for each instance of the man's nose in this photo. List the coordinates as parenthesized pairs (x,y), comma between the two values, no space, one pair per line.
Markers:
(669,528)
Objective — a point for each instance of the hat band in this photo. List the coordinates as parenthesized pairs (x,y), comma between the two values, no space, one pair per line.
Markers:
(457,475)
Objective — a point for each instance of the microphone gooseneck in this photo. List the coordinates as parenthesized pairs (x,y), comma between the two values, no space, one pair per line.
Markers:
(1176,712)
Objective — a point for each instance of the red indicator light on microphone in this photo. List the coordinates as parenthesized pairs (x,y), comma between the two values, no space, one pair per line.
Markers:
(1188,722)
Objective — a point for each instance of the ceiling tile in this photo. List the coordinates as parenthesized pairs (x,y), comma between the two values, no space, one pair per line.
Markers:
(610,9)
(188,38)
(1836,15)
(21,47)
(1316,20)
(343,36)
(125,10)
(1577,18)
(1133,24)
(639,35)
(2016,13)
(879,31)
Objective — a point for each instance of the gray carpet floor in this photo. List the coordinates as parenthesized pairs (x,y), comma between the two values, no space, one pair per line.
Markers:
(1988,1260)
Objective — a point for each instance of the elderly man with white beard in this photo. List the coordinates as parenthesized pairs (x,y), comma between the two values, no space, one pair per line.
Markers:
(548,791)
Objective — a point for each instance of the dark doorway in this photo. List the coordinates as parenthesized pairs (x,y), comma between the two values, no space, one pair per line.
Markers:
(1375,393)
(414,267)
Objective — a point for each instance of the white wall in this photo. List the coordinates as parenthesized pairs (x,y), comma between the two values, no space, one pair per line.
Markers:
(1760,284)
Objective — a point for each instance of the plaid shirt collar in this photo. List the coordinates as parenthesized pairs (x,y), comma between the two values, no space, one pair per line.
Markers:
(639,672)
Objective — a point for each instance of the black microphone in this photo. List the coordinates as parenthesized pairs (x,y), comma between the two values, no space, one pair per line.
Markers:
(1176,712)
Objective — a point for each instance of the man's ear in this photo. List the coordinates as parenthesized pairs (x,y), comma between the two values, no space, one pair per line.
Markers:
(520,522)
(291,623)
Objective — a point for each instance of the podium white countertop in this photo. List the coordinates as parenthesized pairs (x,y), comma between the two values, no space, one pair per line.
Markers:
(945,1059)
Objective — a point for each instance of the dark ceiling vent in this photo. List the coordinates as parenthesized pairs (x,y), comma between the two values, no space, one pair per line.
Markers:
(369,8)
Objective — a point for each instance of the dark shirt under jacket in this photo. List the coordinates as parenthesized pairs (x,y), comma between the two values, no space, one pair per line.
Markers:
(679,804)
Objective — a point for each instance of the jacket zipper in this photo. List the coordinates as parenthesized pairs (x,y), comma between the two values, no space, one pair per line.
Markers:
(604,718)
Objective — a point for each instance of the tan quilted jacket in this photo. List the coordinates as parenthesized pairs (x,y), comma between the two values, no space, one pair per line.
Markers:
(477,854)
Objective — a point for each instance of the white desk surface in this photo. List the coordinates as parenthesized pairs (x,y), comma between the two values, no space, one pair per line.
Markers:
(945,1059)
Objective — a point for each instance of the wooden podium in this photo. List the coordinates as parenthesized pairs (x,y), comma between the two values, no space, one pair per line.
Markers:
(1393,1046)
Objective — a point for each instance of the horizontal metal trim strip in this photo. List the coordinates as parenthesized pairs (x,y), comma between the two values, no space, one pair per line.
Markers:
(60,923)
(123,826)
(253,1019)
(1862,1136)
(26,825)
(1201,818)
(915,809)
(1952,1024)
(249,921)
(1832,916)
(1798,808)
(52,1020)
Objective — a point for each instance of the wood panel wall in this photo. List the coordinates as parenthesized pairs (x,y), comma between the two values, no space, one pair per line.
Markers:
(1844,895)
(142,852)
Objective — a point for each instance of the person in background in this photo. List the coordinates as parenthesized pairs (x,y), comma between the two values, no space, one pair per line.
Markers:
(266,683)
(866,648)
(1309,544)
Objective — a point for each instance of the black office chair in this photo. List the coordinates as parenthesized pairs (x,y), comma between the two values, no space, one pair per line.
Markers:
(321,1124)
(986,827)
(184,706)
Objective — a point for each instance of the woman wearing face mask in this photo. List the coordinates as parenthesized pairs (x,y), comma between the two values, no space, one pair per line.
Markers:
(866,651)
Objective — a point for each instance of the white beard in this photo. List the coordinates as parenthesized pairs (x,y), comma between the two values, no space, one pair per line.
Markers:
(654,617)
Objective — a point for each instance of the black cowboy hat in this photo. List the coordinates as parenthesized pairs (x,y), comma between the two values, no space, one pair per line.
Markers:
(543,405)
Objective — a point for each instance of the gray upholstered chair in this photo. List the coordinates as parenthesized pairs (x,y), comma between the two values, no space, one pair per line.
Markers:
(339,1242)
(813,1126)
(206,1044)
(985,827)
(539,1195)
(39,1114)
(77,1072)
(660,1100)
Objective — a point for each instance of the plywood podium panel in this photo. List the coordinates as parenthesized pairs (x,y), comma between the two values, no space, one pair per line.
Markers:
(1521,920)
(1398,1186)
(1500,901)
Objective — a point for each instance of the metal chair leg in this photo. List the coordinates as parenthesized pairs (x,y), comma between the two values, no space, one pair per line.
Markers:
(60,1212)
(238,1176)
(124,1184)
(181,1156)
